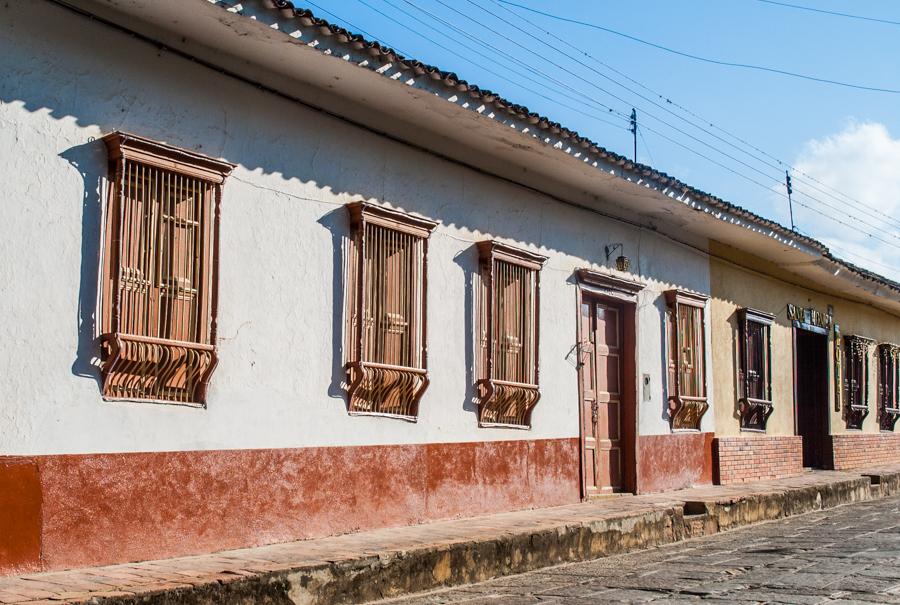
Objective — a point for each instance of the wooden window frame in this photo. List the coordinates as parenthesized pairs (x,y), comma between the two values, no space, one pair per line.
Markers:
(755,411)
(503,402)
(856,380)
(376,388)
(136,366)
(888,385)
(685,411)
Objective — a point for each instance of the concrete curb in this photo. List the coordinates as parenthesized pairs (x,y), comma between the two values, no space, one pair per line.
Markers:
(395,573)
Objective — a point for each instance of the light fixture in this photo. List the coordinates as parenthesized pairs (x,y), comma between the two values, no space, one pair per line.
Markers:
(623,263)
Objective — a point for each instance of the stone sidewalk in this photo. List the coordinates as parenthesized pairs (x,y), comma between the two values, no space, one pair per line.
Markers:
(392,562)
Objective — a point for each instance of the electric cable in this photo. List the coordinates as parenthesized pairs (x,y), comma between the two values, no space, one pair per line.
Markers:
(681,131)
(750,179)
(487,69)
(872,211)
(833,13)
(707,59)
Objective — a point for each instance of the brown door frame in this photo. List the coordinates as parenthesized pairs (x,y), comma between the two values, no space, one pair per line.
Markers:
(622,293)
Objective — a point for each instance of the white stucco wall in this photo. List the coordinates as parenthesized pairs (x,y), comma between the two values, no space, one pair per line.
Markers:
(65,82)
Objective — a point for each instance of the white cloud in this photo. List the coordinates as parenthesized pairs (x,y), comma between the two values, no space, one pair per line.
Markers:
(863,162)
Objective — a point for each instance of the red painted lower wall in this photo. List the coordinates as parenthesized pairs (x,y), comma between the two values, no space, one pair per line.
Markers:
(854,450)
(741,459)
(69,511)
(674,461)
(20,515)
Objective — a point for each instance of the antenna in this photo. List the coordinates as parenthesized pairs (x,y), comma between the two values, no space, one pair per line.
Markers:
(633,130)
(790,190)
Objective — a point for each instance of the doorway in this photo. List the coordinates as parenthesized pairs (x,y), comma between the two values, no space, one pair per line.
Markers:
(811,396)
(606,334)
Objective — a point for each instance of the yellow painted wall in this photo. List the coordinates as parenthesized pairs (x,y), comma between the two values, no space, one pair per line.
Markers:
(746,281)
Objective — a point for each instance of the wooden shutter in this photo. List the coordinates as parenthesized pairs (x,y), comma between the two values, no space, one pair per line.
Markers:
(687,359)
(386,291)
(159,271)
(888,386)
(856,380)
(755,400)
(508,322)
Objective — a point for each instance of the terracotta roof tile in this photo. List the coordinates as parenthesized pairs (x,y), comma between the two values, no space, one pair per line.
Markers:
(451,80)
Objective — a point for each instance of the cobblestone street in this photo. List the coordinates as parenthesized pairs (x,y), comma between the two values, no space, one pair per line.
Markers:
(845,555)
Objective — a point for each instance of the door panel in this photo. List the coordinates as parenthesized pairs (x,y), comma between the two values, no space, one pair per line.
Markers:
(601,377)
(590,465)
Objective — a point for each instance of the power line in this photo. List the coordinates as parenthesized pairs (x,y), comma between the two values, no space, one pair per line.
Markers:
(355,27)
(584,96)
(771,190)
(834,13)
(705,59)
(780,164)
(487,69)
(646,147)
(738,173)
(716,149)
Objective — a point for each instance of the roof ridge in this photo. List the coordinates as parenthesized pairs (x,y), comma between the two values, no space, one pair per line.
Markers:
(451,80)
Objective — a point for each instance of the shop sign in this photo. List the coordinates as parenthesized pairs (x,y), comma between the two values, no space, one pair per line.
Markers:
(808,316)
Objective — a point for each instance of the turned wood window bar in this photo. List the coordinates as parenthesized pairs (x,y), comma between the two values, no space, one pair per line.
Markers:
(686,335)
(888,385)
(755,374)
(159,271)
(856,380)
(507,361)
(385,293)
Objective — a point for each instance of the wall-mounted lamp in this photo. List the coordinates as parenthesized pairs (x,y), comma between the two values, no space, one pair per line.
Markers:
(622,262)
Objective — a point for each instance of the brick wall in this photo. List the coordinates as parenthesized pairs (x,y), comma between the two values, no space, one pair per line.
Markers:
(740,459)
(857,449)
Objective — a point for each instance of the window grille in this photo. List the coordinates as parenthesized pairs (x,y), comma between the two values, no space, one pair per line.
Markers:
(856,380)
(888,386)
(385,293)
(508,321)
(686,359)
(755,378)
(158,300)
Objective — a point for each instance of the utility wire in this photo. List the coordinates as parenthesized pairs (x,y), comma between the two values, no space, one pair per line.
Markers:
(679,130)
(487,69)
(584,97)
(834,13)
(644,141)
(705,59)
(771,190)
(355,27)
(779,165)
(737,173)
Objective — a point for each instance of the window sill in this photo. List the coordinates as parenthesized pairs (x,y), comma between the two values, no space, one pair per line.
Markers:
(412,419)
(503,400)
(145,369)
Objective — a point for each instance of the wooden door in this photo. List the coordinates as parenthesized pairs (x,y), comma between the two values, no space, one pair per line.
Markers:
(811,396)
(601,400)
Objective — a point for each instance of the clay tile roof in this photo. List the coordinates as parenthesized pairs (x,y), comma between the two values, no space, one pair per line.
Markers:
(451,80)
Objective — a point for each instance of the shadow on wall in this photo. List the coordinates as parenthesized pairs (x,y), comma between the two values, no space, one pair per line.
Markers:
(663,310)
(408,178)
(467,260)
(736,364)
(338,225)
(90,162)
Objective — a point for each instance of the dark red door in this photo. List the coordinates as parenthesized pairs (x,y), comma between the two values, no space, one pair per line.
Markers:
(811,396)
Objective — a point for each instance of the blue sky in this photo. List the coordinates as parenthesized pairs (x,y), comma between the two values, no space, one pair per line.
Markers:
(846,139)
